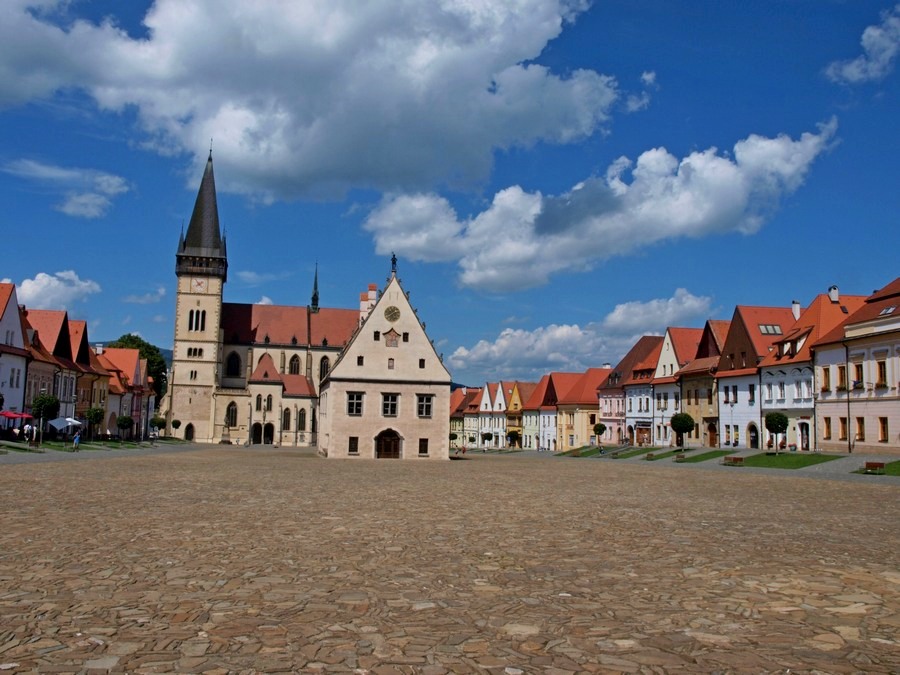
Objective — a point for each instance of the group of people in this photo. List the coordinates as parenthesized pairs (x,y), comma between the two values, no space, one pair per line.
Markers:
(30,436)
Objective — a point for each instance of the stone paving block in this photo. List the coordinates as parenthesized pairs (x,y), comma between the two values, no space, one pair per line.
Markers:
(244,560)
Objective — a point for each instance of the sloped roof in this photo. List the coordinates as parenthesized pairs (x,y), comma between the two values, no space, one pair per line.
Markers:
(525,391)
(203,234)
(754,317)
(719,329)
(584,390)
(297,386)
(822,316)
(560,384)
(287,325)
(684,342)
(127,360)
(536,398)
(265,371)
(623,373)
(871,310)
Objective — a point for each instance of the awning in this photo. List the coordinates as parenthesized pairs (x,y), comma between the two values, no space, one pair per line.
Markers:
(61,423)
(14,415)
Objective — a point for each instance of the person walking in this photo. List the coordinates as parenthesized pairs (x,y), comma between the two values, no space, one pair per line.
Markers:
(76,440)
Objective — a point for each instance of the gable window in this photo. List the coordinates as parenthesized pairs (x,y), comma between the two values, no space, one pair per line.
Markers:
(354,403)
(389,404)
(360,360)
(406,337)
(421,363)
(390,364)
(377,336)
(294,365)
(424,404)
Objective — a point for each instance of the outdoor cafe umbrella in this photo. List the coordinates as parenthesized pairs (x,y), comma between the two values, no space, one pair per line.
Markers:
(61,423)
(8,414)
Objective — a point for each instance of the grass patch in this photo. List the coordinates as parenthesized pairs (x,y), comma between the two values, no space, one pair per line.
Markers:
(890,469)
(789,460)
(705,456)
(628,454)
(584,451)
(670,453)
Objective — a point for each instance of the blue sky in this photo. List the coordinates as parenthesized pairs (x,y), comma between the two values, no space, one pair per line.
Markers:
(556,178)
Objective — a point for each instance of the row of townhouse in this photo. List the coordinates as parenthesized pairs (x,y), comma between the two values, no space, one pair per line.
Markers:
(43,351)
(832,368)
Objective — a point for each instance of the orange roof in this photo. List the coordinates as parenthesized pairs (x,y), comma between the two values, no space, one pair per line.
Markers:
(536,399)
(754,318)
(126,360)
(623,373)
(525,391)
(877,305)
(265,371)
(285,325)
(297,386)
(584,391)
(684,342)
(560,384)
(819,318)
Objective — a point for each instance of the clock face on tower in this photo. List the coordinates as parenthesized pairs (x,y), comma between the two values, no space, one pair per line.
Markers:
(392,313)
(199,285)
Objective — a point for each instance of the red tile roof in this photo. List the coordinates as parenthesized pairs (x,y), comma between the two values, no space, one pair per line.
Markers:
(623,373)
(285,325)
(536,399)
(875,307)
(584,390)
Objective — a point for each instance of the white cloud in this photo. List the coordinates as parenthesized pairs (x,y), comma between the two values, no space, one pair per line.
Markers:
(54,291)
(264,300)
(880,44)
(654,199)
(648,77)
(87,193)
(256,278)
(321,95)
(528,355)
(147,298)
(159,318)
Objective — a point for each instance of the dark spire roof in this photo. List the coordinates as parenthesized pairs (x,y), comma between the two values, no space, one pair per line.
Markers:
(315,294)
(204,239)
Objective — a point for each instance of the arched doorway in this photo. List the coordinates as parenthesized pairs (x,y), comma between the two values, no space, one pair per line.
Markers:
(189,432)
(753,435)
(387,445)
(803,431)
(256,434)
(268,433)
(713,435)
(630,432)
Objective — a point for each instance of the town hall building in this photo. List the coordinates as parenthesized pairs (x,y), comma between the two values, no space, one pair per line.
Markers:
(363,382)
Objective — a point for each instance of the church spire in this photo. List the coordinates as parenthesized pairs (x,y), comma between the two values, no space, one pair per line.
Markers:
(202,249)
(315,293)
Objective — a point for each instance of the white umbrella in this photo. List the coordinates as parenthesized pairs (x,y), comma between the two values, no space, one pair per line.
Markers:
(61,423)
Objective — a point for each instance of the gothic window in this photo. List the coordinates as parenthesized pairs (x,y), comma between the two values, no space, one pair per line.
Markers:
(233,365)
(324,365)
(286,419)
(301,420)
(269,402)
(294,368)
(259,402)
(231,415)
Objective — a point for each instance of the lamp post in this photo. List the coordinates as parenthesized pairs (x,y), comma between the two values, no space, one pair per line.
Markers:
(41,427)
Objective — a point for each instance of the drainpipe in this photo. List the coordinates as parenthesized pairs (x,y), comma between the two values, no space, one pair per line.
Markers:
(816,393)
(849,389)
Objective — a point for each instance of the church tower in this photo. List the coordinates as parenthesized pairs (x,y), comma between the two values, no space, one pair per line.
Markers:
(201,266)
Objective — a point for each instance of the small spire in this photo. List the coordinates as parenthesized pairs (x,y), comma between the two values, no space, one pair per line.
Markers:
(315,294)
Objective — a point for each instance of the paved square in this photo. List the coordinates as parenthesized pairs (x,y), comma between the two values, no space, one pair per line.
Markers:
(235,560)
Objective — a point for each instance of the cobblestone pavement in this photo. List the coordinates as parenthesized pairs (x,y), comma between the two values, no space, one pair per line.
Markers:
(224,560)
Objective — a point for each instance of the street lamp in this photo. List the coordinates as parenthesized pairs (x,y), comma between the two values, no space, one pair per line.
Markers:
(41,428)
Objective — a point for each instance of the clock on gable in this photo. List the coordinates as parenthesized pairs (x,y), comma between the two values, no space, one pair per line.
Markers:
(392,313)
(199,285)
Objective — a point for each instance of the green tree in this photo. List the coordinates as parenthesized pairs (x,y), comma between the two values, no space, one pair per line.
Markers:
(156,364)
(776,423)
(682,424)
(159,422)
(599,430)
(45,406)
(513,437)
(176,424)
(94,416)
(125,424)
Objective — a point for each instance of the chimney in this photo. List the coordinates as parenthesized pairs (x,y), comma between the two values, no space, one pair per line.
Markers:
(795,309)
(833,294)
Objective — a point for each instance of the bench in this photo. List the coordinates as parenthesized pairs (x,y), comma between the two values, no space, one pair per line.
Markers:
(648,456)
(733,460)
(679,457)
(874,467)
